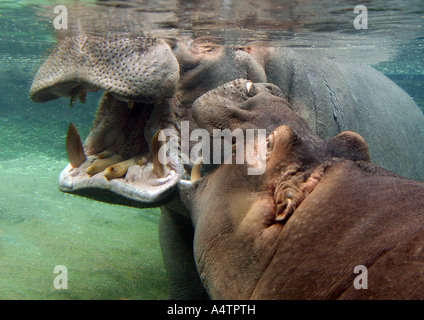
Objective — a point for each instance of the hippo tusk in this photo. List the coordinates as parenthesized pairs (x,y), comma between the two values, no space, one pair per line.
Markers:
(82,96)
(159,160)
(195,171)
(248,86)
(77,93)
(74,147)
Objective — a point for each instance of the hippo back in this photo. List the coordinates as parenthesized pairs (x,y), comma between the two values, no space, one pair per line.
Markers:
(334,97)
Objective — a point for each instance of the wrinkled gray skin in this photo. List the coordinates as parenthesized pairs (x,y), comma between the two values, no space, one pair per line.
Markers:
(165,78)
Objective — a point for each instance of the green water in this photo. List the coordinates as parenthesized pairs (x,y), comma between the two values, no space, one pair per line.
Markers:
(111,252)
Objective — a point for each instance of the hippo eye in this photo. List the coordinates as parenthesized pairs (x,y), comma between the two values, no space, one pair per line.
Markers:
(270,142)
(269,145)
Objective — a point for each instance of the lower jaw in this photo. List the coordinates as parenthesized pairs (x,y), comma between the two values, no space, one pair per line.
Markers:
(144,183)
(139,187)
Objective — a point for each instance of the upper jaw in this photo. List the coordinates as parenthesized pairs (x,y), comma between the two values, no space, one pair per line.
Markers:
(141,69)
(136,74)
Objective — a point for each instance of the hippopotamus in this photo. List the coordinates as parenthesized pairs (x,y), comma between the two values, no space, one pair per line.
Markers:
(152,84)
(302,228)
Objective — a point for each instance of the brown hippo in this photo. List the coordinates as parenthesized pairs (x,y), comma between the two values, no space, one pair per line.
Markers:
(299,230)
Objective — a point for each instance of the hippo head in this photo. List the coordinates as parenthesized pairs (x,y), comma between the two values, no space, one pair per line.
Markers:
(239,218)
(136,74)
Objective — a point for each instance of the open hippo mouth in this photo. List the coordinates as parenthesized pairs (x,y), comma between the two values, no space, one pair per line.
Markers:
(117,164)
(119,161)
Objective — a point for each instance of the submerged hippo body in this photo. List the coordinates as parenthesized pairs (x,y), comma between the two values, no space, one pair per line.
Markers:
(299,230)
(151,84)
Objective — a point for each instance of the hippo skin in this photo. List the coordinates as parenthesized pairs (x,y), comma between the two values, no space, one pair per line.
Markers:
(299,230)
(151,84)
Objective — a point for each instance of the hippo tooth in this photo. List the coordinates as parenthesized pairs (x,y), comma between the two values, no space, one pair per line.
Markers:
(72,101)
(77,93)
(195,171)
(82,96)
(159,163)
(120,169)
(74,147)
(248,86)
(105,154)
(142,161)
(101,164)
(130,104)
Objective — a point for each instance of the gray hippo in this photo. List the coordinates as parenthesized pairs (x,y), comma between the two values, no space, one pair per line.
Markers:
(151,84)
(304,228)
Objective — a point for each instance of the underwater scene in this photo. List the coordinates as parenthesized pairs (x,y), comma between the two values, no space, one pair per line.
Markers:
(111,248)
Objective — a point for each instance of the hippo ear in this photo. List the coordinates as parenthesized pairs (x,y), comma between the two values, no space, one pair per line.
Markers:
(348,145)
